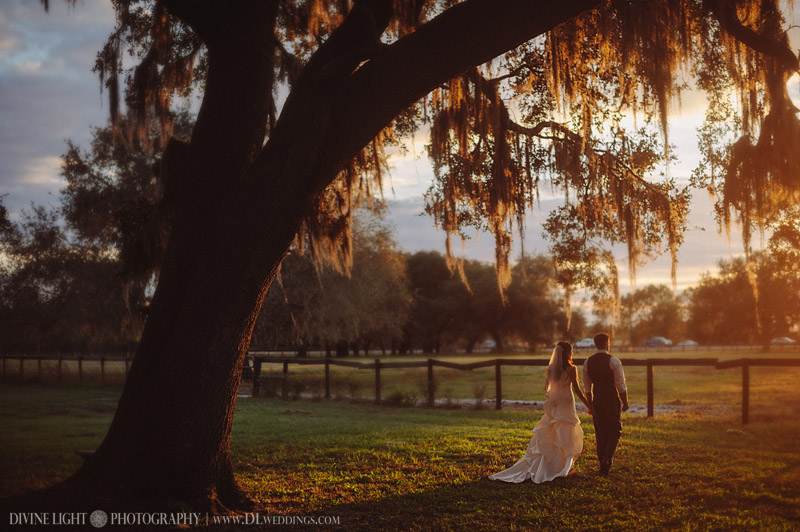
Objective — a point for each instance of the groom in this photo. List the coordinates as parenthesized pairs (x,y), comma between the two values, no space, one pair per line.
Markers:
(604,385)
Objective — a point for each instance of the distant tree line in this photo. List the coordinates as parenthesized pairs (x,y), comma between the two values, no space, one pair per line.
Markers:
(398,303)
(743,303)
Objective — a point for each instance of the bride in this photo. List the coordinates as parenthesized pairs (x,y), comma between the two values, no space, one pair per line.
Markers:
(557,437)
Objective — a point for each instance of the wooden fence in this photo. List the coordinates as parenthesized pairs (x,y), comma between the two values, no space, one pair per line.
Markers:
(650,364)
(378,366)
(61,359)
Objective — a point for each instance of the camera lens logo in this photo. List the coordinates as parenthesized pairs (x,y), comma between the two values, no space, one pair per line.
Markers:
(98,519)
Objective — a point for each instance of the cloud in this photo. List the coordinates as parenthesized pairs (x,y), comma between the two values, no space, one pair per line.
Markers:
(40,171)
(48,92)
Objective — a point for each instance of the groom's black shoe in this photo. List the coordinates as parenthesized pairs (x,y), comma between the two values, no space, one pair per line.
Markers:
(605,468)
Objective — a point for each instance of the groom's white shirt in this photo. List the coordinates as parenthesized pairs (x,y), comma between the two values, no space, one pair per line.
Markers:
(616,368)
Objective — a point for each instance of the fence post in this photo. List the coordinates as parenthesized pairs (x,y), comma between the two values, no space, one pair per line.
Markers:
(650,392)
(327,378)
(745,391)
(127,365)
(80,369)
(430,382)
(60,362)
(102,369)
(285,389)
(377,381)
(39,368)
(256,376)
(498,385)
(4,367)
(22,368)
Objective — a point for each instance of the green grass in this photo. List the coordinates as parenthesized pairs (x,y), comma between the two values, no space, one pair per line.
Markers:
(421,469)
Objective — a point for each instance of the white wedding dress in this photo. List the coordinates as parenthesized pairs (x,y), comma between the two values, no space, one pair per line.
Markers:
(557,437)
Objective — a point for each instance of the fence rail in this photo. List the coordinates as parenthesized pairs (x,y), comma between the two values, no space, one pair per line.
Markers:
(61,359)
(498,363)
(378,366)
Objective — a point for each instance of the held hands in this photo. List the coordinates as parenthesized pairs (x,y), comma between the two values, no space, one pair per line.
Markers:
(625,406)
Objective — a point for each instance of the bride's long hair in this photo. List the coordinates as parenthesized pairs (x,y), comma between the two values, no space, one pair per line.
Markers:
(566,355)
(560,361)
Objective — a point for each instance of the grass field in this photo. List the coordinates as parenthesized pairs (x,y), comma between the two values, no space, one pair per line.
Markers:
(385,468)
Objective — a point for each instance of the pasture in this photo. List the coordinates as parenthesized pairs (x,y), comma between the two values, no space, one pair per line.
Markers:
(394,468)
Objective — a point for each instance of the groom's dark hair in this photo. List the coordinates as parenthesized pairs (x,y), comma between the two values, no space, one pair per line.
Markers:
(601,340)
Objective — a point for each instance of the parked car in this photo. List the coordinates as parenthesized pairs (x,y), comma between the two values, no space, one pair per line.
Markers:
(585,342)
(688,343)
(658,341)
(783,340)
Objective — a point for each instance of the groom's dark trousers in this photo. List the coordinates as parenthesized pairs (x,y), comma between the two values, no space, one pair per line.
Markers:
(606,406)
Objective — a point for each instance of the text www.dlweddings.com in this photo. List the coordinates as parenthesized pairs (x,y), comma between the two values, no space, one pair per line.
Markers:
(262,519)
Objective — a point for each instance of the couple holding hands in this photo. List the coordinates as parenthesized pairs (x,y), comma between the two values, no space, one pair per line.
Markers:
(557,437)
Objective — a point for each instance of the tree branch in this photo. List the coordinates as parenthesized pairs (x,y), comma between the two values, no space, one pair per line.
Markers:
(509,74)
(488,87)
(725,12)
(463,37)
(197,14)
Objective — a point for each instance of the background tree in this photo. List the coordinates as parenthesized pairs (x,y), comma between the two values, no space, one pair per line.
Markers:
(76,278)
(354,70)
(534,312)
(449,312)
(438,298)
(480,311)
(653,310)
(60,295)
(320,306)
(722,308)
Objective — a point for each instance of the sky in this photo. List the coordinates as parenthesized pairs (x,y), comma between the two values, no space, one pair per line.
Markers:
(48,94)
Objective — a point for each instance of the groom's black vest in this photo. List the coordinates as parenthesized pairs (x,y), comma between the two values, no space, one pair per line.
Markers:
(599,368)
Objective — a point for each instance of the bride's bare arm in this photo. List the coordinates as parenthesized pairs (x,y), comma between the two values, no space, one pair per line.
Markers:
(573,375)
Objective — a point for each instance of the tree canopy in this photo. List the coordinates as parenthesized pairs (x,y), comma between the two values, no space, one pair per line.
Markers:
(548,113)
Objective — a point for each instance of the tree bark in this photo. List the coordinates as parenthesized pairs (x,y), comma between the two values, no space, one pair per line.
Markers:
(498,341)
(240,206)
(470,345)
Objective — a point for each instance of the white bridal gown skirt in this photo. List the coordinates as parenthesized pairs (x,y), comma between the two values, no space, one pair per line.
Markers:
(557,441)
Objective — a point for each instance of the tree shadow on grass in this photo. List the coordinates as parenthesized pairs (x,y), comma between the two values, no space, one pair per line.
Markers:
(480,505)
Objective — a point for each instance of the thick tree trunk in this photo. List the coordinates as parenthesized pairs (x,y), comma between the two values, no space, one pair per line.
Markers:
(342,348)
(170,438)
(498,340)
(470,345)
(169,442)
